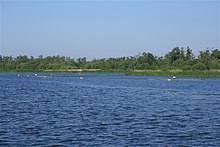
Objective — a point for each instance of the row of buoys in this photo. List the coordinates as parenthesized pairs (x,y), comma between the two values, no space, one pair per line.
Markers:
(18,75)
(80,74)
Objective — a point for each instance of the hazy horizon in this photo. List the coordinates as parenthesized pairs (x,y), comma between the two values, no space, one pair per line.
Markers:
(102,29)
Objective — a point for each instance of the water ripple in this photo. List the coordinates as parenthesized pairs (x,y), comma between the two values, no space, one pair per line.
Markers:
(108,110)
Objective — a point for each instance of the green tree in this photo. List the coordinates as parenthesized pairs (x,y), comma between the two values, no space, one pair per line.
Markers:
(81,62)
(215,54)
(174,55)
(189,55)
(205,57)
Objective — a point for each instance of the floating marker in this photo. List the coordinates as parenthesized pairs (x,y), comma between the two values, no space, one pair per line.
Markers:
(35,74)
(28,75)
(81,78)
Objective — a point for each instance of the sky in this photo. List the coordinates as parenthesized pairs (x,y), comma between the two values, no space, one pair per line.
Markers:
(110,28)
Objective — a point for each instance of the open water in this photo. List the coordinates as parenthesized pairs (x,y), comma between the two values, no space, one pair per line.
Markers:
(60,109)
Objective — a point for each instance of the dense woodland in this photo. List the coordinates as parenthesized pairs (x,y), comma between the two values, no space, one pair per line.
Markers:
(177,59)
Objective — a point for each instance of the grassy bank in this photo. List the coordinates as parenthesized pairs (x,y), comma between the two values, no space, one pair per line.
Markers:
(25,70)
(66,70)
(87,70)
(202,74)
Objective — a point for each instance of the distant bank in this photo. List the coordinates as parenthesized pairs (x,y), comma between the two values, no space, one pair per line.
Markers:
(179,62)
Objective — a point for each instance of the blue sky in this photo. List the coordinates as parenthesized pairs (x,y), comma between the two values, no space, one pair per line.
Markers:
(112,28)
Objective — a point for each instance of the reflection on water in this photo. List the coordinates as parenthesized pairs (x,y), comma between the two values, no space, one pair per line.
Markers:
(108,110)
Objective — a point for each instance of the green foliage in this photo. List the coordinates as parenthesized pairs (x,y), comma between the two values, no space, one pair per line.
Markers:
(176,59)
(199,66)
(215,54)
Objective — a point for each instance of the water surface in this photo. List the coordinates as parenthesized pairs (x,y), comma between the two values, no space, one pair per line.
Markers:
(108,110)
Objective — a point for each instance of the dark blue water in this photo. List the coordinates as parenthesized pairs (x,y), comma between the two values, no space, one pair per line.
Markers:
(108,110)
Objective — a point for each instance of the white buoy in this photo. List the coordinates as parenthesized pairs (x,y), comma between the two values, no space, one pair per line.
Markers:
(168,79)
(18,76)
(45,76)
(35,74)
(174,77)
(81,78)
(28,75)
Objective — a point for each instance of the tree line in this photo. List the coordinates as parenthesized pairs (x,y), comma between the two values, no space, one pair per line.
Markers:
(177,59)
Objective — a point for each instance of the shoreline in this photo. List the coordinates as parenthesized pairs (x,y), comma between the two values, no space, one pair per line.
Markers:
(188,73)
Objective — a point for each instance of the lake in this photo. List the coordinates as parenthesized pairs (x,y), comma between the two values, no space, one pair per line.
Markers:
(62,109)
